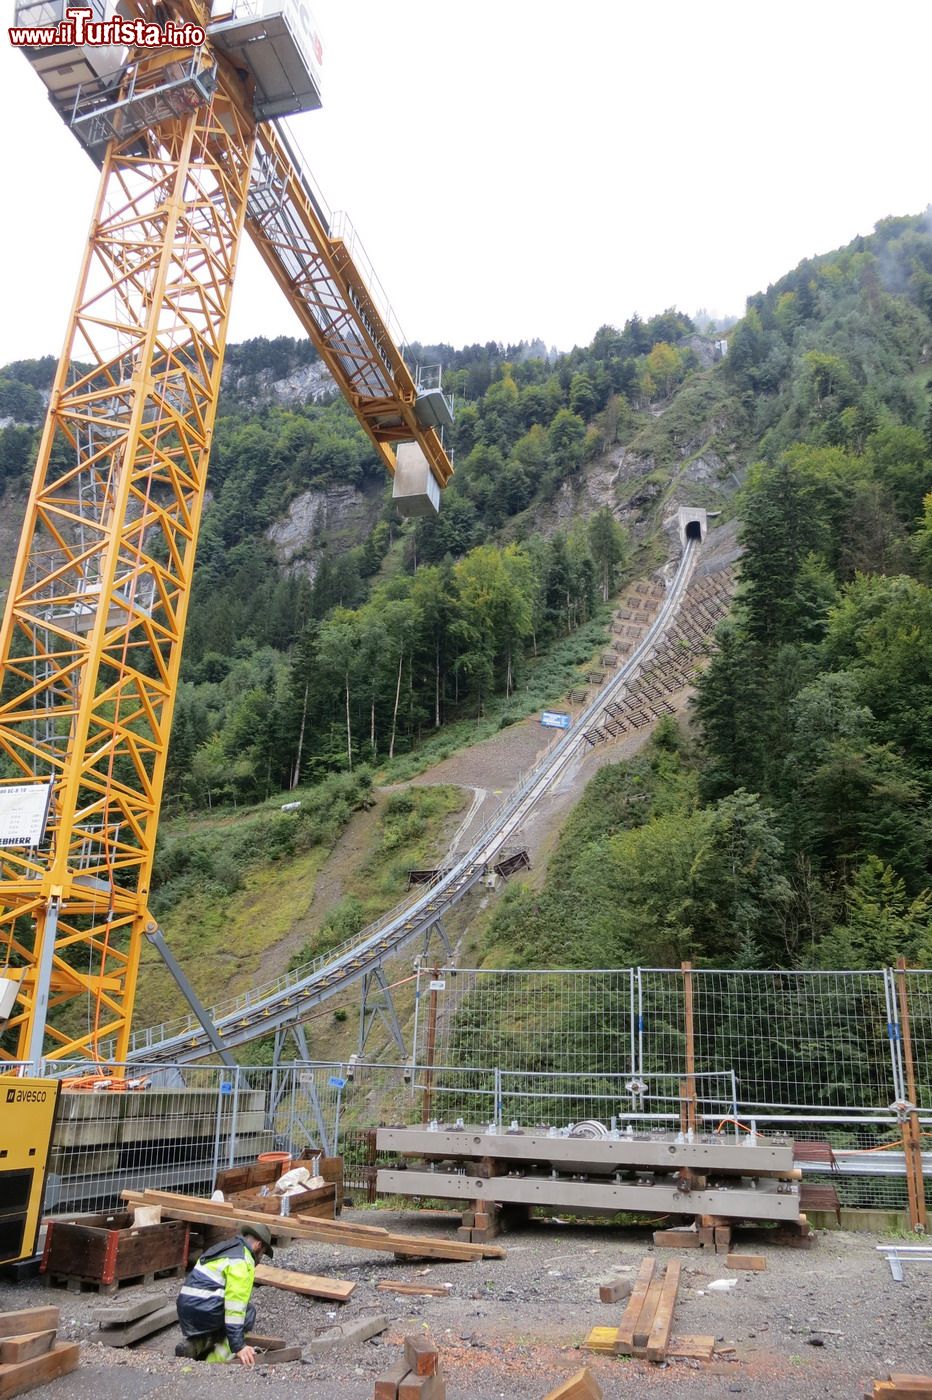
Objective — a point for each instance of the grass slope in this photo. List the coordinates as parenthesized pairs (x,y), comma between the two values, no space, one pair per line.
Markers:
(241,900)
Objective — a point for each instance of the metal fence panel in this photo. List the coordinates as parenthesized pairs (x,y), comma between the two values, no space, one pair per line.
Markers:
(174,1132)
(538,1020)
(807,1042)
(917,985)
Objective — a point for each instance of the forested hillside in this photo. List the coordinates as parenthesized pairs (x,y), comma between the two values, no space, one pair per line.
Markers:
(792,824)
(373,634)
(792,828)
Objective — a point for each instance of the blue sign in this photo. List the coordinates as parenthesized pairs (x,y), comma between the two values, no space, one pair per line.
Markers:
(336,1082)
(226,1088)
(552,719)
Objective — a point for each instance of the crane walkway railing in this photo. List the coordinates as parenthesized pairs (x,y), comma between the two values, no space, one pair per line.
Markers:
(287,999)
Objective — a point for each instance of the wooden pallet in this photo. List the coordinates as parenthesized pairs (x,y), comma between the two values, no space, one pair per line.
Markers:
(76,1283)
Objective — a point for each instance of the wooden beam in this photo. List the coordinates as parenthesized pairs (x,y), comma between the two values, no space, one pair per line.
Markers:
(692,1348)
(912,1139)
(754,1262)
(629,1318)
(14,1324)
(27,1375)
(199,1211)
(427,1290)
(581,1386)
(645,1322)
(662,1324)
(26,1346)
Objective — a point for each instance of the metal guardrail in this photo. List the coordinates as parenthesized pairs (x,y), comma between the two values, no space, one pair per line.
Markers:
(282,1000)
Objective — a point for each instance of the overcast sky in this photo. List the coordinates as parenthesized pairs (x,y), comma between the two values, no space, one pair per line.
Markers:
(521,168)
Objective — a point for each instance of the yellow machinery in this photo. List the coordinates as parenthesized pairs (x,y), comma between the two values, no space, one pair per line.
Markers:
(27,1117)
(91,640)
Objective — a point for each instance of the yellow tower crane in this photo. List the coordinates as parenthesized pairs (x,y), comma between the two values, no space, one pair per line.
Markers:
(92,633)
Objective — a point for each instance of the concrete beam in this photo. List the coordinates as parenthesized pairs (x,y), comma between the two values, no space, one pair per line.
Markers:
(597,1155)
(740,1202)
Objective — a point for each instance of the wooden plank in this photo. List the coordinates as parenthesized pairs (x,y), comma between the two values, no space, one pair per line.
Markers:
(310,1285)
(920,1386)
(601,1339)
(26,1346)
(756,1263)
(581,1386)
(632,1313)
(427,1290)
(14,1324)
(911,1385)
(692,1348)
(262,1342)
(645,1322)
(386,1385)
(616,1290)
(135,1331)
(199,1211)
(16,1379)
(422,1356)
(662,1324)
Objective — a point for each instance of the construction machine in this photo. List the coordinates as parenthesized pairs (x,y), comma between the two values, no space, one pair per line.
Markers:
(180,105)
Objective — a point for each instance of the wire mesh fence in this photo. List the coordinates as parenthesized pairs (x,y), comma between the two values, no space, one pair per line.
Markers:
(175,1130)
(823,1055)
(804,1044)
(813,1042)
(914,993)
(561,1022)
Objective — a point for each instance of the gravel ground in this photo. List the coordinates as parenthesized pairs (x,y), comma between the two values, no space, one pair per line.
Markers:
(820,1322)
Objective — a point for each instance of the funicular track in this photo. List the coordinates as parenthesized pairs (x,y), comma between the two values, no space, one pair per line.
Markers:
(286,1002)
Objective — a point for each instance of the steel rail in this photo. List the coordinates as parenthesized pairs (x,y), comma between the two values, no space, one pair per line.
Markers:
(289,999)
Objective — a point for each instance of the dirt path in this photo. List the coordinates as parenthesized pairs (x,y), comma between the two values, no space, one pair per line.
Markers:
(491,769)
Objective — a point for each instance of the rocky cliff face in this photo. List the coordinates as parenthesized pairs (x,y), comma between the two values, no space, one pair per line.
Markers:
(308,384)
(340,517)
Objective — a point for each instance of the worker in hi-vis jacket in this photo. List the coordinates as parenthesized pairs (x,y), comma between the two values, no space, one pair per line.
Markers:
(213,1306)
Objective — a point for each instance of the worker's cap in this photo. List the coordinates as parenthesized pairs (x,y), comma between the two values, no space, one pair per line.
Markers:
(259,1232)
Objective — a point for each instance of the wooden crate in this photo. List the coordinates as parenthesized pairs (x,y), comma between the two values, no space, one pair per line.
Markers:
(318,1203)
(331,1169)
(106,1249)
(234,1179)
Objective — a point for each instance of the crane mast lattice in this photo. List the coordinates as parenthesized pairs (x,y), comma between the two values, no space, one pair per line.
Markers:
(90,647)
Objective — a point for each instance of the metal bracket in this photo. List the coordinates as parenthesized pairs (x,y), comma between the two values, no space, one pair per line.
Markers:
(384,1007)
(156,937)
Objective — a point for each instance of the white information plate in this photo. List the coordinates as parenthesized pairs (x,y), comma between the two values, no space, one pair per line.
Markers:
(24,811)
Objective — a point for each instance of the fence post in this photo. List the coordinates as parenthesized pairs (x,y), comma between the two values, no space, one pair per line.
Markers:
(497,1110)
(632,1026)
(431,1046)
(690,1085)
(235,1119)
(912,1141)
(221,1089)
